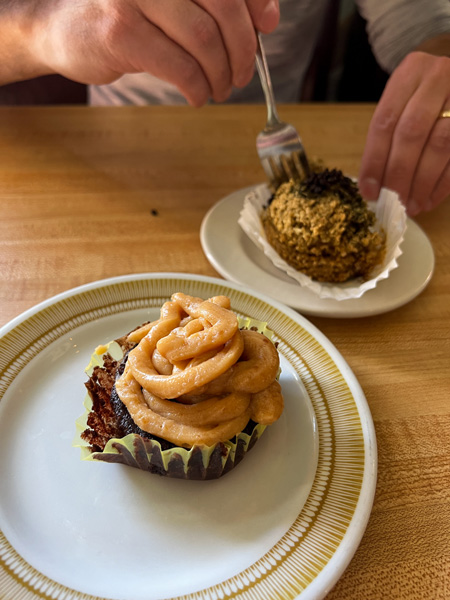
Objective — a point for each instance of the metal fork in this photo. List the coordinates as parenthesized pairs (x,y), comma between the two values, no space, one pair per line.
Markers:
(279,146)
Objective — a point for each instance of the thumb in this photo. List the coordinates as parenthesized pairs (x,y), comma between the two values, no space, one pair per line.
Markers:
(265,14)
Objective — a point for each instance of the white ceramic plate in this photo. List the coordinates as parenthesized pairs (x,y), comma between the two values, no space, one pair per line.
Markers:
(283,524)
(236,258)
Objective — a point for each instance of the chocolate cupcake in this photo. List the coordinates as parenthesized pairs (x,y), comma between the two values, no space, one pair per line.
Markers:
(184,396)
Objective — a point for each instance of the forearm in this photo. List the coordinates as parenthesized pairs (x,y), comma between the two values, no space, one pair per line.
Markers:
(18,59)
(398,27)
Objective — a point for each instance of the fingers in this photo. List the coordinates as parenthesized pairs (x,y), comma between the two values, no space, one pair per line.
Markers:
(197,33)
(410,140)
(399,89)
(407,144)
(441,190)
(219,35)
(425,192)
(149,50)
(265,14)
(238,35)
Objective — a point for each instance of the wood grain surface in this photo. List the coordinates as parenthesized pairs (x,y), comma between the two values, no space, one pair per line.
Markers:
(88,193)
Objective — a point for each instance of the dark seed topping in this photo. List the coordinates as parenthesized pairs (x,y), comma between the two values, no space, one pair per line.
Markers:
(329,181)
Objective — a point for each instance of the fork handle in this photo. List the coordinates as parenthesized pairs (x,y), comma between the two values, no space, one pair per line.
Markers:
(266,83)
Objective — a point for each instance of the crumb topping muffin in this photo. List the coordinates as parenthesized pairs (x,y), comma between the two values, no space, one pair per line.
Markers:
(322,227)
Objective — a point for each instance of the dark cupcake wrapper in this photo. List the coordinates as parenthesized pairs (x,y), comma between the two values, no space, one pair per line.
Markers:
(199,462)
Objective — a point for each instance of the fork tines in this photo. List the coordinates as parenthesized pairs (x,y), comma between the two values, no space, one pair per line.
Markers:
(287,166)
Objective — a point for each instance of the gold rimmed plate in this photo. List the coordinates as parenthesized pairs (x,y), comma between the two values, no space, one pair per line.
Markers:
(283,524)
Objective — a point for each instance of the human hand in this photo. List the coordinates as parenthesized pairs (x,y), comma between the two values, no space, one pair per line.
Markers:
(203,47)
(408,143)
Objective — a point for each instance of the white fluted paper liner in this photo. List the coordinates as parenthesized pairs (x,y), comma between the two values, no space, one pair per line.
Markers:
(390,216)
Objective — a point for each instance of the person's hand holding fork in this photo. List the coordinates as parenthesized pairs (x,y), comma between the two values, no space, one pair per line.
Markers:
(204,47)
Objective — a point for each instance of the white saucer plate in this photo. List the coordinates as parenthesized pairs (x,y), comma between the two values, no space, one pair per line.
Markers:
(236,258)
(284,523)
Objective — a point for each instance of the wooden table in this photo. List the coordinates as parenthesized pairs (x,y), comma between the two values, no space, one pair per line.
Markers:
(82,188)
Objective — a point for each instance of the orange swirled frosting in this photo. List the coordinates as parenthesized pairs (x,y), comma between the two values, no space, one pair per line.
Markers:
(195,378)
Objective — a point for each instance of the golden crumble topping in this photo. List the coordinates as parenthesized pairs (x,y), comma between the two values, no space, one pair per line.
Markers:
(322,227)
